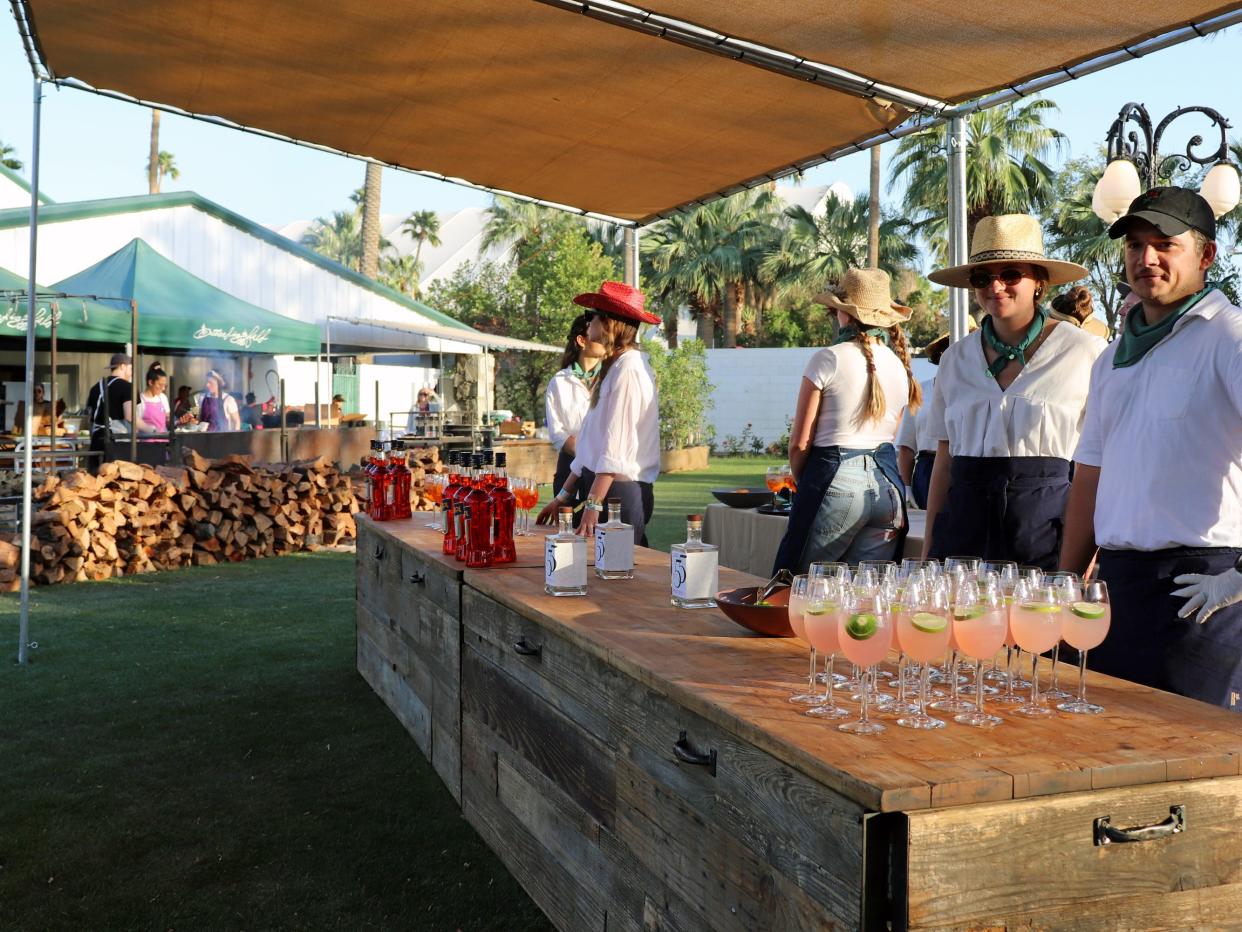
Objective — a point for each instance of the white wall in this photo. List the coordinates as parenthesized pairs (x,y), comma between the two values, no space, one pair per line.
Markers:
(760,387)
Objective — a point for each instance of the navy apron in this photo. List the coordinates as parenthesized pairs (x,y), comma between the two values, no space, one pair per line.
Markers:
(817,476)
(920,481)
(1147,643)
(1004,508)
(637,503)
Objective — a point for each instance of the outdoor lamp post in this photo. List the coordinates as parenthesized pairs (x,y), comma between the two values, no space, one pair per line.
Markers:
(1135,162)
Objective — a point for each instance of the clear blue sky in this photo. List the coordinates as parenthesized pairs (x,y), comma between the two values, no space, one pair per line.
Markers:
(95,147)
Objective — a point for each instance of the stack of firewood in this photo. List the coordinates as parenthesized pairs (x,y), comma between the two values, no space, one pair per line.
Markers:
(135,519)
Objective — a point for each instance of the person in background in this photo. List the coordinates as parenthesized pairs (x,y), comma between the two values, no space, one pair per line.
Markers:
(618,446)
(109,406)
(850,500)
(183,406)
(251,413)
(336,410)
(42,409)
(568,398)
(1008,404)
(218,409)
(153,407)
(1076,307)
(1158,474)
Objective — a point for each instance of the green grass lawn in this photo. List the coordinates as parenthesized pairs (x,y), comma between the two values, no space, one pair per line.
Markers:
(194,750)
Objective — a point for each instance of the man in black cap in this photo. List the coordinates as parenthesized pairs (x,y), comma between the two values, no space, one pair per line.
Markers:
(109,400)
(1158,480)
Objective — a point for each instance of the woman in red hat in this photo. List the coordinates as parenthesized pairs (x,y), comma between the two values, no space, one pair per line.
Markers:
(618,447)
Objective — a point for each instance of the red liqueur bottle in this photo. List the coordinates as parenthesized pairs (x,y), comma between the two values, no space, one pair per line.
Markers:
(504,507)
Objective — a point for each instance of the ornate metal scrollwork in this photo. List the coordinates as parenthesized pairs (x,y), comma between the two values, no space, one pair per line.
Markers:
(1141,144)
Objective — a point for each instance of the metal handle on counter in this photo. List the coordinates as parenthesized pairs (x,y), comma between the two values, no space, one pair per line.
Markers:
(1175,824)
(528,650)
(379,552)
(418,579)
(688,755)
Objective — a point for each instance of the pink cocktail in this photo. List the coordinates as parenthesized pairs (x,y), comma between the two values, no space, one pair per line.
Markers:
(822,622)
(982,636)
(797,606)
(924,635)
(1086,624)
(1036,625)
(870,649)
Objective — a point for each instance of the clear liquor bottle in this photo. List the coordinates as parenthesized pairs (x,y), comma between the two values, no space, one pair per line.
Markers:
(614,545)
(695,568)
(565,559)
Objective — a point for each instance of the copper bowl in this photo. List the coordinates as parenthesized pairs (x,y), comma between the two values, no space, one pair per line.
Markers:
(771,619)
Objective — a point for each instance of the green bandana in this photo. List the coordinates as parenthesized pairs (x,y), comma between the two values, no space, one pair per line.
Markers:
(585,376)
(1005,353)
(1137,337)
(849,333)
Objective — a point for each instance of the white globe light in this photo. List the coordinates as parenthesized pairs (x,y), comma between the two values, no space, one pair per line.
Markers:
(1117,187)
(1221,188)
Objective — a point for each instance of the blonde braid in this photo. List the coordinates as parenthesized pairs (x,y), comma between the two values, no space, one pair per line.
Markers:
(898,340)
(873,401)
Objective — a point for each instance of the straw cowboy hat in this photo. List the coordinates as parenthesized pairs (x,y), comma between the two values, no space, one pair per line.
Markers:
(1005,240)
(935,349)
(866,295)
(619,301)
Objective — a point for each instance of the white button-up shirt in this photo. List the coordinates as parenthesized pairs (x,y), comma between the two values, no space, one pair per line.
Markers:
(621,434)
(1166,434)
(1041,412)
(912,431)
(565,406)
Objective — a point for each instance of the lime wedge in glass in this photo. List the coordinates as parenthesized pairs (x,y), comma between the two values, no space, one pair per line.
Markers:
(965,614)
(1089,610)
(928,623)
(861,626)
(1042,607)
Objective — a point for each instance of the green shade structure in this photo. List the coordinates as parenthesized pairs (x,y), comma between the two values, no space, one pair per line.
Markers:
(179,311)
(76,318)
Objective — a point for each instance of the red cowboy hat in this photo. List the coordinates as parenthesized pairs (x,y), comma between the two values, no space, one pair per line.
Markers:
(619,301)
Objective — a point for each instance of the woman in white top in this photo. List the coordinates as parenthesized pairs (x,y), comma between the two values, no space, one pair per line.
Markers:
(618,447)
(569,397)
(1008,404)
(850,501)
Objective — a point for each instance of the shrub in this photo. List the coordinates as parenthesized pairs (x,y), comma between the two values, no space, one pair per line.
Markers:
(685,393)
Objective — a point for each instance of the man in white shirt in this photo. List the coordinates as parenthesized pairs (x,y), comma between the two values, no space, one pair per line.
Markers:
(1158,480)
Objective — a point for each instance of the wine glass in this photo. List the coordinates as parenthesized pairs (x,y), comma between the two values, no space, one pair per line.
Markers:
(924,622)
(823,614)
(980,623)
(1086,626)
(789,482)
(961,566)
(825,570)
(865,631)
(1070,587)
(1036,621)
(901,609)
(963,590)
(799,597)
(775,481)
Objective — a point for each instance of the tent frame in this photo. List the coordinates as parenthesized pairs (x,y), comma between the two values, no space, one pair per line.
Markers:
(932,113)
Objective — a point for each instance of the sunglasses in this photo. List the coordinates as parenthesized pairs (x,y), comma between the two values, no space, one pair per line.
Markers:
(983,278)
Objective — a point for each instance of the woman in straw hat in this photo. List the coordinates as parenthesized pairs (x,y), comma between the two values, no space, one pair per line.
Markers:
(617,454)
(1008,404)
(850,501)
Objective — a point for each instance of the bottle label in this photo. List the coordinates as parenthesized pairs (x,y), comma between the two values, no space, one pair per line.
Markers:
(457,524)
(695,575)
(614,549)
(564,563)
(390,493)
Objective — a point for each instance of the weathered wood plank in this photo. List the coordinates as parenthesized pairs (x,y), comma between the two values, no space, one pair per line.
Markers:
(396,692)
(1039,855)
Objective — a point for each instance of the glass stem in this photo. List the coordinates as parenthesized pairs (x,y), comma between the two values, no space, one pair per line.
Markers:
(924,666)
(865,698)
(979,686)
(1082,676)
(1034,678)
(901,677)
(1056,650)
(953,674)
(827,697)
(811,680)
(832,659)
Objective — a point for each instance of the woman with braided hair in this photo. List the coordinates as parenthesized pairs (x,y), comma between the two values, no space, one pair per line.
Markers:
(850,503)
(1008,405)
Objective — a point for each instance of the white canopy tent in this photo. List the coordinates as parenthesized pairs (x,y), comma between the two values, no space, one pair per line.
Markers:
(601,107)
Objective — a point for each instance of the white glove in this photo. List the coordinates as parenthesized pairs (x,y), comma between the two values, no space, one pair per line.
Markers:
(1208,593)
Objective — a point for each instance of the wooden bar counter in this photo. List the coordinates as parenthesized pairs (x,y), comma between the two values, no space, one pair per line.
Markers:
(638,766)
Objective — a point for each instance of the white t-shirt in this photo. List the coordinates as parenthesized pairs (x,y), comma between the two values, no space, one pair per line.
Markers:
(565,405)
(912,432)
(1166,433)
(621,434)
(840,373)
(1041,412)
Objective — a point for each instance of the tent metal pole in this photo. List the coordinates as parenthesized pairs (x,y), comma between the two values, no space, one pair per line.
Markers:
(23,625)
(327,329)
(318,378)
(52,383)
(284,436)
(133,381)
(377,406)
(959,299)
(631,256)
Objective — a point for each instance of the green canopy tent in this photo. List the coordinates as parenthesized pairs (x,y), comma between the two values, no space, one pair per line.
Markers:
(76,318)
(180,311)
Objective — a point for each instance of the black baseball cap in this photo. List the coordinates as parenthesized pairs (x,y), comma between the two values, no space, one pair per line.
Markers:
(1170,210)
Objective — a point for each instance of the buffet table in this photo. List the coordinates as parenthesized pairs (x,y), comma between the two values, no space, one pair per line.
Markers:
(748,540)
(639,766)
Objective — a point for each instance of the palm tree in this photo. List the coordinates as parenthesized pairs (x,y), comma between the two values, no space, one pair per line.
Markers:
(165,165)
(401,273)
(153,158)
(527,227)
(814,252)
(371,221)
(422,226)
(1006,169)
(339,238)
(6,158)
